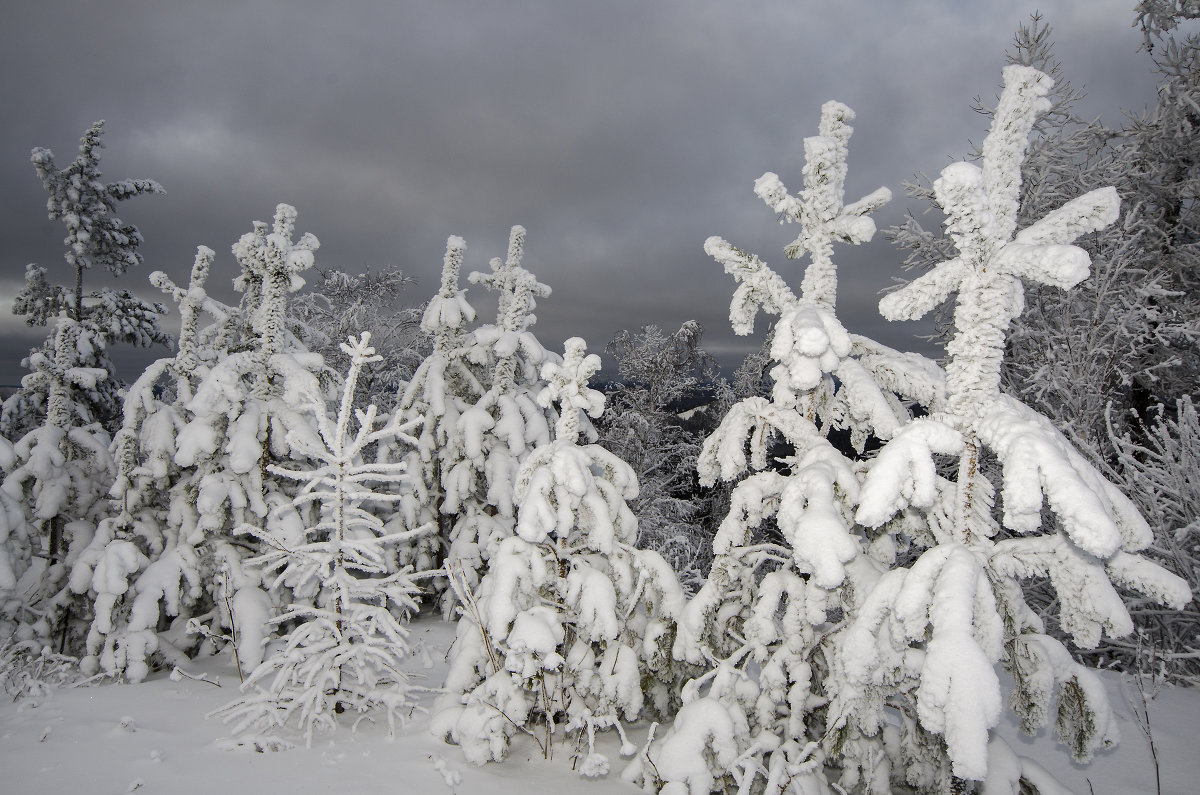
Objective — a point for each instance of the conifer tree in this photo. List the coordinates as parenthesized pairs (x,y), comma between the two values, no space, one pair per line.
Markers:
(926,637)
(95,236)
(194,468)
(146,557)
(498,421)
(441,389)
(570,627)
(787,555)
(347,647)
(641,425)
(57,478)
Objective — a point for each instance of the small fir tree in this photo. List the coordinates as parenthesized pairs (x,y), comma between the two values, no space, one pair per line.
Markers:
(348,646)
(195,470)
(570,627)
(494,375)
(57,478)
(443,386)
(145,561)
(787,556)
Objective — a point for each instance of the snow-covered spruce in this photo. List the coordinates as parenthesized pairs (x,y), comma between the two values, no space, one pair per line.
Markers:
(923,642)
(788,557)
(145,558)
(347,646)
(497,419)
(95,236)
(443,386)
(569,630)
(194,469)
(57,475)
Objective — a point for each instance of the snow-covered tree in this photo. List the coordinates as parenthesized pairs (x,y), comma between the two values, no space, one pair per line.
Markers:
(641,425)
(1123,341)
(570,627)
(348,645)
(66,407)
(57,476)
(201,432)
(479,395)
(923,642)
(95,236)
(145,557)
(441,388)
(788,558)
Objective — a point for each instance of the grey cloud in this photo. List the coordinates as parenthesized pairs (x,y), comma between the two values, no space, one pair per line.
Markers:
(621,134)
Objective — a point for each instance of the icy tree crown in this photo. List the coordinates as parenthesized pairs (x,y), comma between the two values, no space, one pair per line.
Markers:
(86,205)
(567,385)
(981,216)
(448,310)
(518,287)
(819,209)
(275,263)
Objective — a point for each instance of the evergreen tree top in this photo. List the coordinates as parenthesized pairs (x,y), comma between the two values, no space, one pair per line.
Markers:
(981,206)
(86,205)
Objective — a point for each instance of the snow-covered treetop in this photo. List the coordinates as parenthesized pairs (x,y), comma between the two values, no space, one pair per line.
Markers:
(274,263)
(981,208)
(567,385)
(819,209)
(517,287)
(192,301)
(85,205)
(448,310)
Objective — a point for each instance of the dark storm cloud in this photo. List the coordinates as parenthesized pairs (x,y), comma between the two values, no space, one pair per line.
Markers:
(621,134)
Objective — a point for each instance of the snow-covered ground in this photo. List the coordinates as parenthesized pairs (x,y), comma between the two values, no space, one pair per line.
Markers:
(153,738)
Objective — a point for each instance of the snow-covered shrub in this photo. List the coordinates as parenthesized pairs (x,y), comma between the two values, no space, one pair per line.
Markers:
(921,645)
(341,303)
(347,646)
(95,236)
(569,630)
(28,671)
(1161,466)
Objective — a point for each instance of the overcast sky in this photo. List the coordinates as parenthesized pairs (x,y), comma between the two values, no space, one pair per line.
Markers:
(620,134)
